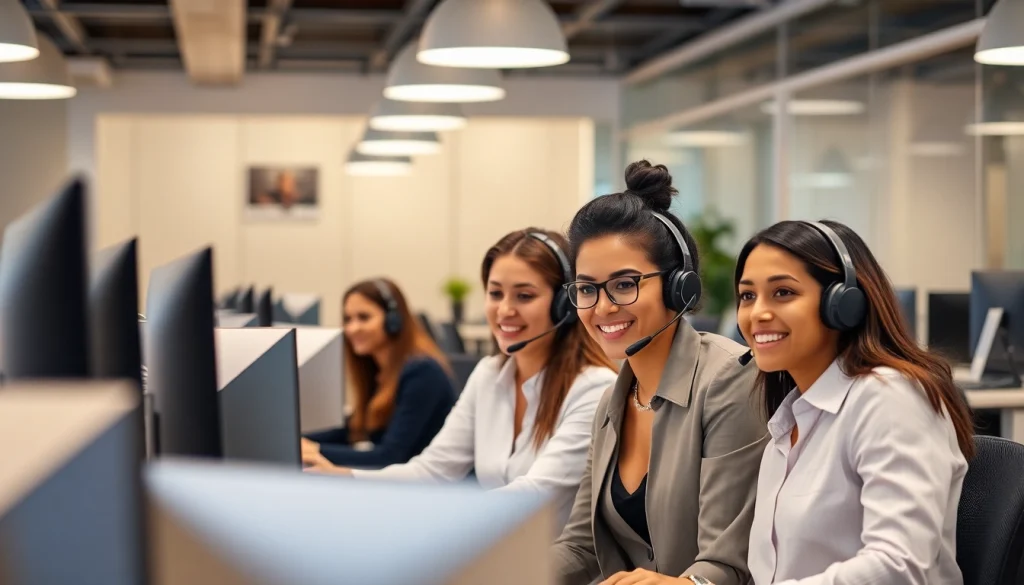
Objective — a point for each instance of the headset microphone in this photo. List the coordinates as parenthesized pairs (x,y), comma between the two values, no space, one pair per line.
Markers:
(520,345)
(637,346)
(745,358)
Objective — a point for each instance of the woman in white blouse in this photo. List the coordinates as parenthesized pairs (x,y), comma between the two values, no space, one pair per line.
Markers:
(523,421)
(861,479)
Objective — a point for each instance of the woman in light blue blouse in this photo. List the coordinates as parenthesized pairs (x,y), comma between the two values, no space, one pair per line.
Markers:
(861,479)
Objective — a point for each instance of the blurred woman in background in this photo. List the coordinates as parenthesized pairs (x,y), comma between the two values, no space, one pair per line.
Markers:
(401,386)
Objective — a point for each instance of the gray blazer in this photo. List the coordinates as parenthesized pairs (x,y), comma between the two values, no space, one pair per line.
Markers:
(707,441)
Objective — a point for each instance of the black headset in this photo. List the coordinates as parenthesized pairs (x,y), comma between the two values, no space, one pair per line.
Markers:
(843,304)
(561,307)
(681,288)
(392,316)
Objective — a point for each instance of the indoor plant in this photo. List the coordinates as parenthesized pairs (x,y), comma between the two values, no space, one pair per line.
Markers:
(456,289)
(716,263)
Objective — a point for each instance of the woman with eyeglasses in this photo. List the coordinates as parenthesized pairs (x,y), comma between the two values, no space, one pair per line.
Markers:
(523,421)
(668,495)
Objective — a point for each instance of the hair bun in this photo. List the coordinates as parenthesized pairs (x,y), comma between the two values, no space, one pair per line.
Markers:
(651,183)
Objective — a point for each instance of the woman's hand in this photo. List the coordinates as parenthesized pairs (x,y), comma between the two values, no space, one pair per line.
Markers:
(315,462)
(309,446)
(644,577)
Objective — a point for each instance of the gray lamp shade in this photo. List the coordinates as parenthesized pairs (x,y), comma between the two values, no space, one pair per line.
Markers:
(410,80)
(416,116)
(381,143)
(378,166)
(17,35)
(42,78)
(494,34)
(1002,40)
(1002,112)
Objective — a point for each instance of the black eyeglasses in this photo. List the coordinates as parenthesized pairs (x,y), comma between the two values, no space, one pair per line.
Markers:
(621,290)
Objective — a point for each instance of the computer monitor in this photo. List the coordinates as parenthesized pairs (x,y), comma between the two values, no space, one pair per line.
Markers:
(320,354)
(265,308)
(949,326)
(229,523)
(226,318)
(114,314)
(907,298)
(259,395)
(999,289)
(43,280)
(245,302)
(180,357)
(71,507)
(229,300)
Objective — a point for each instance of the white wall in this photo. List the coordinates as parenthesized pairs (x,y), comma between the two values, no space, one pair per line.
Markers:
(178,181)
(33,154)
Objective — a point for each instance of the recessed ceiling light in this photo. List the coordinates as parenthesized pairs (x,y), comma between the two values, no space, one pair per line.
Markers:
(817,107)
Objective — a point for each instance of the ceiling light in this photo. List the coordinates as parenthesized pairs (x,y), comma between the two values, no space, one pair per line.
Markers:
(708,135)
(381,143)
(1002,112)
(936,149)
(820,107)
(832,172)
(416,116)
(494,34)
(43,78)
(17,35)
(1002,40)
(412,81)
(377,166)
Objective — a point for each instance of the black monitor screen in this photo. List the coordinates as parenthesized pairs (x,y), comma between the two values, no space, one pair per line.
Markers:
(949,326)
(994,289)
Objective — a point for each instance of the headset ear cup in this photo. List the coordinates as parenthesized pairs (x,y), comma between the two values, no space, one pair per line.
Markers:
(691,288)
(850,307)
(562,308)
(672,290)
(392,323)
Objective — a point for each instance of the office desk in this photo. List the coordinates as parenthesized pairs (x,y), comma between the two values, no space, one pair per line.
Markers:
(479,334)
(1009,403)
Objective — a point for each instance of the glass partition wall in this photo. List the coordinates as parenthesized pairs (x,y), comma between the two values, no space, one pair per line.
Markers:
(869,112)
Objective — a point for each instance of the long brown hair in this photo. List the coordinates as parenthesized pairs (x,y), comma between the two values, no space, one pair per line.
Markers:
(572,348)
(372,410)
(882,339)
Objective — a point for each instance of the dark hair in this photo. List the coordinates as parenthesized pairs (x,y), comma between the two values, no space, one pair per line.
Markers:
(572,349)
(882,339)
(628,214)
(372,410)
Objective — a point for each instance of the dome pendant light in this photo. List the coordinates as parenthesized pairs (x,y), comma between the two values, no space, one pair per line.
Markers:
(412,81)
(17,35)
(377,166)
(1002,40)
(493,34)
(416,116)
(43,78)
(380,143)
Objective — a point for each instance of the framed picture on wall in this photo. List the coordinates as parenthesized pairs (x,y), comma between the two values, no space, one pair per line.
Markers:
(283,193)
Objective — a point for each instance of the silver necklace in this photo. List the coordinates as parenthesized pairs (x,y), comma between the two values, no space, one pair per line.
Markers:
(636,398)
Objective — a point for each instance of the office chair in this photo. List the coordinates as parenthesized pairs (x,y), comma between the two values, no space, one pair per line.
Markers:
(990,519)
(462,365)
(451,339)
(427,326)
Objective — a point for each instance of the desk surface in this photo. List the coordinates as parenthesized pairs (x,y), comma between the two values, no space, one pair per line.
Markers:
(996,399)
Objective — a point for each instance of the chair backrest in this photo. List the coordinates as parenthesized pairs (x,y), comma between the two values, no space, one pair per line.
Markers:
(990,519)
(462,366)
(427,325)
(451,339)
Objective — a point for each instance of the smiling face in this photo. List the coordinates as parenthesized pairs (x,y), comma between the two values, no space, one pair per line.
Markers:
(779,316)
(616,327)
(363,323)
(518,304)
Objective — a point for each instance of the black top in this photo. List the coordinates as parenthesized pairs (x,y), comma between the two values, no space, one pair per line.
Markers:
(423,400)
(632,507)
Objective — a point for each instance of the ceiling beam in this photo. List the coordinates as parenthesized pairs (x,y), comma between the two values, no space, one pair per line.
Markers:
(110,11)
(211,37)
(272,18)
(415,12)
(69,26)
(587,14)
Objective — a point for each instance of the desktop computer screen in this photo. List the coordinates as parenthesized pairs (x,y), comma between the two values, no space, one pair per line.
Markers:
(999,289)
(245,303)
(949,326)
(181,361)
(907,298)
(43,274)
(265,308)
(114,314)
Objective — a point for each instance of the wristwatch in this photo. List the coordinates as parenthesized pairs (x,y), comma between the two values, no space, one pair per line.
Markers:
(698,580)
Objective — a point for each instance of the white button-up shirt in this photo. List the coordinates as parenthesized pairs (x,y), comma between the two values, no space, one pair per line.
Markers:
(869,493)
(478,433)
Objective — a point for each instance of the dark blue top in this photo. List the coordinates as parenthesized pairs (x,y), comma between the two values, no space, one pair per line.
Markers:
(424,397)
